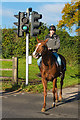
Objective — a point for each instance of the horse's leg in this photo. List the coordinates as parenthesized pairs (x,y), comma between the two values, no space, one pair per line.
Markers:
(61,84)
(44,82)
(56,95)
(53,90)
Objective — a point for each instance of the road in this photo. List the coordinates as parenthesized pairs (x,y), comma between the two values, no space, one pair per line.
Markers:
(25,105)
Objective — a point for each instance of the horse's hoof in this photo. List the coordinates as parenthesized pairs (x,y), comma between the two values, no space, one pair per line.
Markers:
(43,110)
(60,98)
(56,101)
(53,105)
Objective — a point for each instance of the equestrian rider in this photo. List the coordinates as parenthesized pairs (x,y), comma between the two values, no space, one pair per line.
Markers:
(53,45)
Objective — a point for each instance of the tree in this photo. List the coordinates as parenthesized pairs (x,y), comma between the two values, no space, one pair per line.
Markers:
(12,45)
(71,16)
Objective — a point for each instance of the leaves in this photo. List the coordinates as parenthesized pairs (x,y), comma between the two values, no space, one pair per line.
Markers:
(71,15)
(12,45)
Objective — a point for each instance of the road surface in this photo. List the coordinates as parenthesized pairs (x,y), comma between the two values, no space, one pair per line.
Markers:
(25,105)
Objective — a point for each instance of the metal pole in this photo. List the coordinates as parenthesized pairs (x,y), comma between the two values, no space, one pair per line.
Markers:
(27,52)
(27,47)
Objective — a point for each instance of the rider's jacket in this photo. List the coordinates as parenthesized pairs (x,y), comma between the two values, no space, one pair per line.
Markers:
(53,42)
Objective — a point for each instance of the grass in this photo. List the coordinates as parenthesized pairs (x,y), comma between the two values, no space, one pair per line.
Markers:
(71,76)
(71,79)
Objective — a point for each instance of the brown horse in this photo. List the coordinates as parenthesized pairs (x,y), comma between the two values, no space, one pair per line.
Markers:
(49,70)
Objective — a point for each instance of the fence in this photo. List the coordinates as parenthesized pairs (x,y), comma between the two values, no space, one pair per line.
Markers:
(14,69)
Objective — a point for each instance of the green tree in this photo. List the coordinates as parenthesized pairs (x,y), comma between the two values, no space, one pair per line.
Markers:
(71,15)
(11,44)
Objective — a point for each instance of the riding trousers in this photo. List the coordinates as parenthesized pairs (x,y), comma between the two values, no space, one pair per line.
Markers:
(55,54)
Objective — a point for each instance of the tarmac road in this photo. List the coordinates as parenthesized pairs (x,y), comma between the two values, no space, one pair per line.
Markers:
(25,105)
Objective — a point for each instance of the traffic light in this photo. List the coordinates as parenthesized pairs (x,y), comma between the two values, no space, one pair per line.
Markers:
(17,23)
(23,23)
(35,24)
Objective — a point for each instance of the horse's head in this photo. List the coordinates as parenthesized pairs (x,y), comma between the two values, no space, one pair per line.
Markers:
(41,48)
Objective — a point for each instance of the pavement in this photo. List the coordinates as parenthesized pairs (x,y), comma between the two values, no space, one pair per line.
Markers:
(26,105)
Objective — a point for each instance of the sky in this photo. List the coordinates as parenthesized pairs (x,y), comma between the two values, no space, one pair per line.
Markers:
(50,10)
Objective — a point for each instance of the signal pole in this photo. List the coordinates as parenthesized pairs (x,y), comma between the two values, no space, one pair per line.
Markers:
(27,48)
(27,60)
(23,26)
(27,52)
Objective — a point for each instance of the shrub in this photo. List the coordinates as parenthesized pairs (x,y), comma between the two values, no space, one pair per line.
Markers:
(12,45)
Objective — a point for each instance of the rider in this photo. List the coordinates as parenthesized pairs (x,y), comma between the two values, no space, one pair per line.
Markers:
(53,45)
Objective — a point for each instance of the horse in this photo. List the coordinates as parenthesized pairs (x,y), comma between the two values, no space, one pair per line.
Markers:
(49,71)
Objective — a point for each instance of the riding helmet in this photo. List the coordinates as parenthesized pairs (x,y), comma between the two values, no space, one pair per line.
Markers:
(52,27)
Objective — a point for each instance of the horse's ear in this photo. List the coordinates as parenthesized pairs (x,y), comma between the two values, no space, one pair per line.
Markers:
(46,40)
(38,40)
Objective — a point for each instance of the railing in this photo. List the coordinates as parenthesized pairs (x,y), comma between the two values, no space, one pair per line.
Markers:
(14,69)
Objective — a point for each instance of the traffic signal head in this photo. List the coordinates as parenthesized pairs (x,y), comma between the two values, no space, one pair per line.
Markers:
(35,24)
(20,33)
(17,23)
(23,23)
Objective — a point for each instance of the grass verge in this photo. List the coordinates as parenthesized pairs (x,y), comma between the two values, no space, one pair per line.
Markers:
(71,77)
